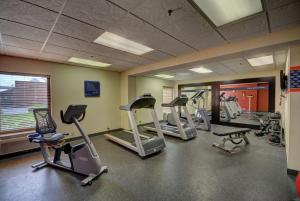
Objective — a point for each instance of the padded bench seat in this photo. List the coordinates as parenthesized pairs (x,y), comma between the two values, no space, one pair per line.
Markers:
(231,134)
(225,131)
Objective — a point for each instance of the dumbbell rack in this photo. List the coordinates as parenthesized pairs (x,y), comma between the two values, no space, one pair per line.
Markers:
(280,133)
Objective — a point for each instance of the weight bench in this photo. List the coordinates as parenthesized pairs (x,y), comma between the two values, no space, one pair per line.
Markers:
(235,135)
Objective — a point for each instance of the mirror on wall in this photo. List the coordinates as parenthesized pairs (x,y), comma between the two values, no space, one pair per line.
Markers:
(199,98)
(244,103)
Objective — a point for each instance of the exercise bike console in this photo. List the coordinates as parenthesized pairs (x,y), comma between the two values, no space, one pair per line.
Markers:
(73,111)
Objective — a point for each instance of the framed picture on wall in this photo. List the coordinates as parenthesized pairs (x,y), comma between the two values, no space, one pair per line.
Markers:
(91,88)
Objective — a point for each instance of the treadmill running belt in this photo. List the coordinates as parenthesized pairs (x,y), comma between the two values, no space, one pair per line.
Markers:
(123,135)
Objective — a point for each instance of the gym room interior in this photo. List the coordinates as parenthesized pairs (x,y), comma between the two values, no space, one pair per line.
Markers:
(194,100)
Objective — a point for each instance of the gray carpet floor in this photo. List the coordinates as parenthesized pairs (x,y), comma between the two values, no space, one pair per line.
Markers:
(185,171)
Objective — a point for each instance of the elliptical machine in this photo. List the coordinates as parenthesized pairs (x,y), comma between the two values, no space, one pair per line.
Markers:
(201,119)
(225,114)
(83,157)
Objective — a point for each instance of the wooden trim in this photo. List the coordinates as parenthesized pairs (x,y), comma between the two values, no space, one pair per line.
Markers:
(215,98)
(292,172)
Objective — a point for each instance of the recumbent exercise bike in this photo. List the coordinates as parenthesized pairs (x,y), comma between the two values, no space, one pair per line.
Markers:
(83,157)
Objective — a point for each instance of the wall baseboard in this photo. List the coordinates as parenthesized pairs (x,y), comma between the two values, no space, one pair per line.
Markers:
(292,172)
(14,154)
(93,134)
(18,153)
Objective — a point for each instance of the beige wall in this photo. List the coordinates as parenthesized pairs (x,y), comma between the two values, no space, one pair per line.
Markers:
(124,99)
(67,88)
(292,118)
(286,117)
(153,86)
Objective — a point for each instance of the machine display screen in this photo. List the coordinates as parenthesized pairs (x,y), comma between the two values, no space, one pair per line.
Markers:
(91,88)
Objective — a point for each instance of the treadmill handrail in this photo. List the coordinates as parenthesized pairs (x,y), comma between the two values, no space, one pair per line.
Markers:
(143,101)
(178,101)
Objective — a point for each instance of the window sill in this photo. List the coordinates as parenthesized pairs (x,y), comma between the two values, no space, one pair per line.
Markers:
(13,137)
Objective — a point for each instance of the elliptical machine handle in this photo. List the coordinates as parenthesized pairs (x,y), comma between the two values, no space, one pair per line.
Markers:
(82,117)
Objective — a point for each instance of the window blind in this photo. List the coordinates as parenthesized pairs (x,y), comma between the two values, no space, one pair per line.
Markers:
(19,95)
(167,97)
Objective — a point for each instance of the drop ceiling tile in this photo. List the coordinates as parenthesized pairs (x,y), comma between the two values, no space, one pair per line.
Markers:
(55,5)
(120,55)
(135,29)
(21,43)
(67,52)
(157,55)
(102,14)
(238,65)
(184,24)
(53,57)
(21,52)
(119,68)
(95,57)
(219,68)
(128,4)
(26,13)
(284,16)
(271,4)
(77,29)
(251,26)
(22,31)
(60,50)
(67,42)
(265,67)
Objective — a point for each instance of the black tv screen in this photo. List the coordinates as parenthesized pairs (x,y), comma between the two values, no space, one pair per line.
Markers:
(91,88)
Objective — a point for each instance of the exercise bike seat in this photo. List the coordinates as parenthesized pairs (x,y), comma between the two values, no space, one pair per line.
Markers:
(49,138)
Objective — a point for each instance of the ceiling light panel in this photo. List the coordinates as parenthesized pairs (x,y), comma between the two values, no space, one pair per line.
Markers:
(260,61)
(201,70)
(223,12)
(88,62)
(164,76)
(117,42)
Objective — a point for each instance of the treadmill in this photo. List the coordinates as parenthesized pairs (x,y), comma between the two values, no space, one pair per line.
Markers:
(184,131)
(142,143)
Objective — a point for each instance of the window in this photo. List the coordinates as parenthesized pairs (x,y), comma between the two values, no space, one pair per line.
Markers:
(19,95)
(168,96)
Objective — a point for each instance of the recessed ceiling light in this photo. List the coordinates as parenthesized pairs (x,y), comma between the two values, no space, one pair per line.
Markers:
(201,70)
(164,76)
(260,61)
(88,62)
(221,12)
(117,42)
